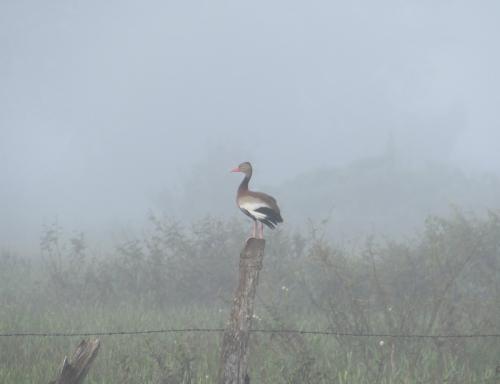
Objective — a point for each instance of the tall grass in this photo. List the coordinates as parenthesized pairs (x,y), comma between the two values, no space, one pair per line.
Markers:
(446,280)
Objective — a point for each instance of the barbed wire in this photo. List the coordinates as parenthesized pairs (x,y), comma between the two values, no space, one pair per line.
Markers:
(265,331)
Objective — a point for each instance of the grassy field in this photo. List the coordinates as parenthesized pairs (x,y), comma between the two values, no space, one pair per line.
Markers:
(445,281)
(193,357)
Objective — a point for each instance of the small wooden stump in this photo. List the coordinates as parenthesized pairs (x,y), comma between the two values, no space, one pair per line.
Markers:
(233,361)
(74,371)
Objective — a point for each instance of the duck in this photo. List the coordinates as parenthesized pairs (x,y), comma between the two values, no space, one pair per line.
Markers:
(262,208)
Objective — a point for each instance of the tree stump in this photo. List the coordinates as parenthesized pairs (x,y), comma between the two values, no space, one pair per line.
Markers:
(233,361)
(74,371)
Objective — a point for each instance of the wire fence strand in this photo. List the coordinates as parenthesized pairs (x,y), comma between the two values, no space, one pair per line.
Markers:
(264,331)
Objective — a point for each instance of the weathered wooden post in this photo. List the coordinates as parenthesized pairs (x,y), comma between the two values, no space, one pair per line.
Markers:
(74,371)
(233,360)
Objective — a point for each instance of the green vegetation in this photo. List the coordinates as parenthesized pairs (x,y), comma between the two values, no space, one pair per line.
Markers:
(445,280)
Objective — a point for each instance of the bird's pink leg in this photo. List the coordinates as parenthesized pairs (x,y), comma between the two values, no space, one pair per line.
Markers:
(261,230)
(254,228)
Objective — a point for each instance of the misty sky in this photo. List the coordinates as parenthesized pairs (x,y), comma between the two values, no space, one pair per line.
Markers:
(107,107)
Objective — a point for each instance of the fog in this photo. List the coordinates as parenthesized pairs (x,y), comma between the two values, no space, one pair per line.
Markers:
(111,110)
(375,124)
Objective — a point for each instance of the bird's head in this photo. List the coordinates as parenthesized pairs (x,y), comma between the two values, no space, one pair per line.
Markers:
(245,168)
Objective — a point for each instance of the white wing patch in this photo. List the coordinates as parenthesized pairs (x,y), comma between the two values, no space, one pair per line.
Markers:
(252,207)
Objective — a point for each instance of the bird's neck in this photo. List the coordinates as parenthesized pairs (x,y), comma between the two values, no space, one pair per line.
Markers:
(244,183)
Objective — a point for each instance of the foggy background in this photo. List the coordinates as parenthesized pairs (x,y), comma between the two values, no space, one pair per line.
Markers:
(374,114)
